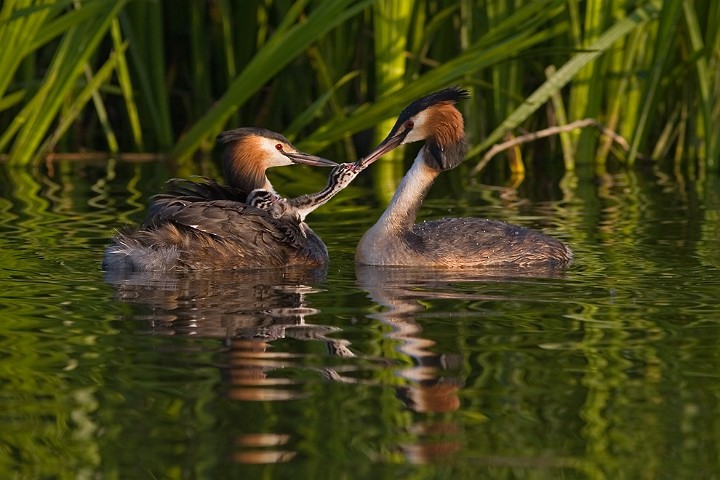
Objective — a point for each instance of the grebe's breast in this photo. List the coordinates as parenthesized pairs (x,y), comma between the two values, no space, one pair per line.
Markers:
(476,242)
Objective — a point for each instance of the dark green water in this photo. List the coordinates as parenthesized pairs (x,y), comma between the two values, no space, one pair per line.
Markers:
(611,371)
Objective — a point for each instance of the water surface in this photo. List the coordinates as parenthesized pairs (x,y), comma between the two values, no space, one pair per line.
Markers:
(608,371)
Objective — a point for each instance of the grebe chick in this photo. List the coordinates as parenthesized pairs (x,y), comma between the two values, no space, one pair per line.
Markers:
(265,200)
(300,207)
(453,242)
(208,226)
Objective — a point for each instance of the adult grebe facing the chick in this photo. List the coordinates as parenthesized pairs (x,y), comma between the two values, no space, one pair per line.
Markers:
(248,153)
(208,226)
(454,242)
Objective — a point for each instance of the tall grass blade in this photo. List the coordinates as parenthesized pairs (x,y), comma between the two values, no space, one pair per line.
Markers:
(12,99)
(622,98)
(201,97)
(81,99)
(102,115)
(73,52)
(126,85)
(57,26)
(19,25)
(703,78)
(664,40)
(504,75)
(391,22)
(561,116)
(143,24)
(712,43)
(587,78)
(227,35)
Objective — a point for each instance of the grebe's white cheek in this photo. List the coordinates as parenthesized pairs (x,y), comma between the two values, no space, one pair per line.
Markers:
(267,147)
(280,160)
(419,130)
(411,137)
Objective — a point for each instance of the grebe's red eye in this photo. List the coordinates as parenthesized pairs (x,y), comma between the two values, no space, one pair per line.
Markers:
(409,125)
(279,147)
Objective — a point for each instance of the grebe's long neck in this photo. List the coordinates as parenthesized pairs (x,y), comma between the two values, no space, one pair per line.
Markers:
(403,209)
(338,179)
(388,241)
(244,168)
(248,178)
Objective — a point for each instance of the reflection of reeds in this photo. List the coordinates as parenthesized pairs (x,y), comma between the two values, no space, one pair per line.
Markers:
(146,76)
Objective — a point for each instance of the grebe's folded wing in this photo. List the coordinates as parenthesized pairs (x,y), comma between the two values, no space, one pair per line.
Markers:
(202,190)
(232,221)
(186,192)
(484,242)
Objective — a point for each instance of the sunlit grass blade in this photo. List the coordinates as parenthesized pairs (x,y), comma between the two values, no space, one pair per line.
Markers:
(621,100)
(101,112)
(73,52)
(12,99)
(637,63)
(703,78)
(391,22)
(126,85)
(587,78)
(20,23)
(81,99)
(57,26)
(561,117)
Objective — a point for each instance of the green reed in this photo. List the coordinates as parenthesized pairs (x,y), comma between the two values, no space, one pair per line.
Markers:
(391,24)
(166,77)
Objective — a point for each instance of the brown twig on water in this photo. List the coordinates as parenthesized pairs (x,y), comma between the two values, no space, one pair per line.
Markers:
(546,132)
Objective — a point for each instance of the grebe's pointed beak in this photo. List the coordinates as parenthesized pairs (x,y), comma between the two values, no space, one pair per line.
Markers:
(390,143)
(307,159)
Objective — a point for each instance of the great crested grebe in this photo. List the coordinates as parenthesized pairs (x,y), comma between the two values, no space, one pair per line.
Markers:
(452,242)
(208,226)
(249,152)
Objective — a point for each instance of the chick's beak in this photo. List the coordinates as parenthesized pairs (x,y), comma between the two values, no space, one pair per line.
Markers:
(390,143)
(307,159)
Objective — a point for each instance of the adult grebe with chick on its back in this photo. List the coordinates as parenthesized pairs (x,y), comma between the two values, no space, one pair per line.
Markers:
(209,226)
